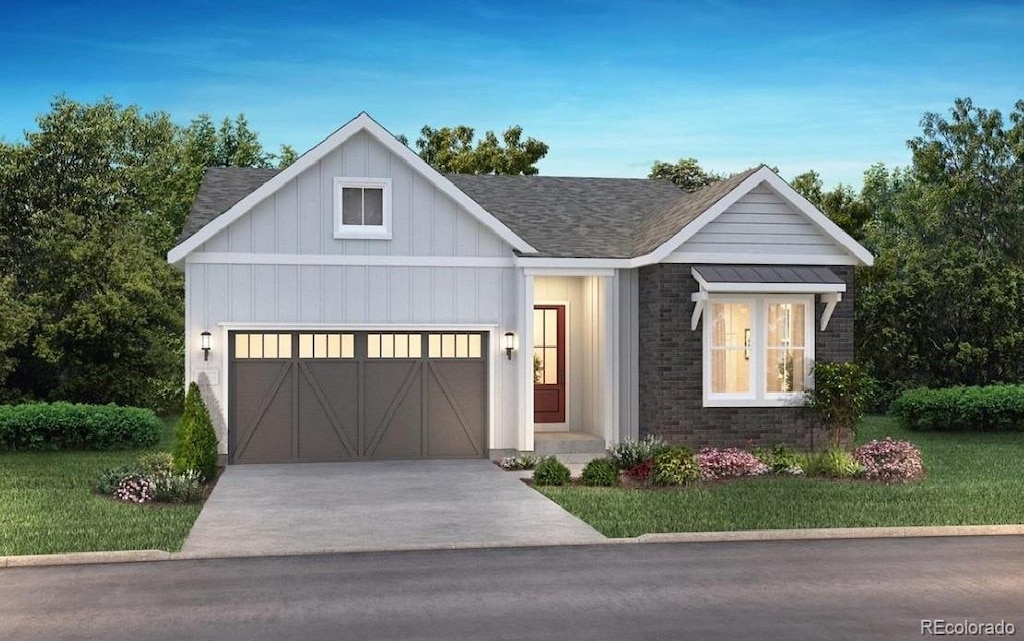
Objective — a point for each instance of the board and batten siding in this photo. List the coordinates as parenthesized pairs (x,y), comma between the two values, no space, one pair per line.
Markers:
(298,220)
(762,223)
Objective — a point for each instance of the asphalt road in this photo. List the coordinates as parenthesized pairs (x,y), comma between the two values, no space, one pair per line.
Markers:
(855,589)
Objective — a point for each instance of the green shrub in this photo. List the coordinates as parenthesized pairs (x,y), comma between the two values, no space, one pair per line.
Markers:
(628,453)
(156,462)
(834,463)
(600,472)
(675,466)
(992,408)
(840,394)
(780,458)
(550,471)
(109,479)
(196,446)
(67,426)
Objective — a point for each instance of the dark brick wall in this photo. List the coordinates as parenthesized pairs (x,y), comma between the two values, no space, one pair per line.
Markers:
(671,380)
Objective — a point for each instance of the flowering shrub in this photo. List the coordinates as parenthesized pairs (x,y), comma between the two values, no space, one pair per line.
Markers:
(521,462)
(641,471)
(890,460)
(730,462)
(171,487)
(135,488)
(629,453)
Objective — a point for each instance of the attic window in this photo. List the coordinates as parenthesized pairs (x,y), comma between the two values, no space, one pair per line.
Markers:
(362,208)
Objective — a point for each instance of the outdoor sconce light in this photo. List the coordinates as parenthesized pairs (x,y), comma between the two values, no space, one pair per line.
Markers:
(206,345)
(510,343)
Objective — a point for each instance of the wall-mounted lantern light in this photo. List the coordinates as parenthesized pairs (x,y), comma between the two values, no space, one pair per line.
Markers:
(510,344)
(206,345)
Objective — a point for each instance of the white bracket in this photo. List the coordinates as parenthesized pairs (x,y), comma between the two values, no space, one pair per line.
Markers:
(701,300)
(830,300)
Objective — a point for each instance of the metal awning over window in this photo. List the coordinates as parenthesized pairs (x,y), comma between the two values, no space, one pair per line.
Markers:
(767,279)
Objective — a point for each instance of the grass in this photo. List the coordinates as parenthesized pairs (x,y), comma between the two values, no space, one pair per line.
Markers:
(972,479)
(47,506)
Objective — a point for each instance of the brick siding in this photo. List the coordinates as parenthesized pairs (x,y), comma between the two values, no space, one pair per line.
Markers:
(671,360)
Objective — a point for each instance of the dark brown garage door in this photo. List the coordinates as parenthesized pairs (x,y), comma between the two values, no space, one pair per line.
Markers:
(338,396)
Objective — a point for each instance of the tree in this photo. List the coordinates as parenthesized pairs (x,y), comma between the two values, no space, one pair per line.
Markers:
(451,150)
(687,174)
(89,205)
(944,302)
(286,156)
(842,204)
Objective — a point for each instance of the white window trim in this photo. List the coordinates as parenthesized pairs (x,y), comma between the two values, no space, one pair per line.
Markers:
(758,396)
(371,232)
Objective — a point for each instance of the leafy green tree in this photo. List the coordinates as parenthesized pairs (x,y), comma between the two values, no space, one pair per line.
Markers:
(687,174)
(944,303)
(452,150)
(842,205)
(286,156)
(16,319)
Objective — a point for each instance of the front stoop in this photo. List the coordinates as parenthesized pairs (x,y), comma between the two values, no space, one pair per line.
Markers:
(571,448)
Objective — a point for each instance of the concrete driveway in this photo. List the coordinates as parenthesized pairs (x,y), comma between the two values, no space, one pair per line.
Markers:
(389,505)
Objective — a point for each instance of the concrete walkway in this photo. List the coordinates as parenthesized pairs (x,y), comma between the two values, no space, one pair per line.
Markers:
(390,505)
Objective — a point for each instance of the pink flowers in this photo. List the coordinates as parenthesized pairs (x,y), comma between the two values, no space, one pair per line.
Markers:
(135,488)
(889,460)
(729,462)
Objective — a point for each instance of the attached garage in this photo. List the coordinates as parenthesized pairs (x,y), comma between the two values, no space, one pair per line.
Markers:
(311,396)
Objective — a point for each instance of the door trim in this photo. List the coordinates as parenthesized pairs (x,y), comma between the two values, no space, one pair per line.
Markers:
(563,426)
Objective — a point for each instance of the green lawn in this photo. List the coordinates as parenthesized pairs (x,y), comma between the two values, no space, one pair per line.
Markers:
(973,479)
(47,506)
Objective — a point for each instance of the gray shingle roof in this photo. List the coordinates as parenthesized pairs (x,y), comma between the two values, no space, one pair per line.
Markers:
(811,274)
(559,216)
(221,188)
(571,217)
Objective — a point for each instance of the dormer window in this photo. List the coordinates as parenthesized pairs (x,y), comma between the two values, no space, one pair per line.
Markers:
(362,208)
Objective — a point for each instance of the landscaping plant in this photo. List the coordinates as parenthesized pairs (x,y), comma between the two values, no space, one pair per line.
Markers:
(675,466)
(835,463)
(890,460)
(641,471)
(70,426)
(629,453)
(600,472)
(196,446)
(992,408)
(550,471)
(781,459)
(727,463)
(839,397)
(520,462)
(135,488)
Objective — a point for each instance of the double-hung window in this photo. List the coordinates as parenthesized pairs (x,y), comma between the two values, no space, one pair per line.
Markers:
(757,350)
(362,208)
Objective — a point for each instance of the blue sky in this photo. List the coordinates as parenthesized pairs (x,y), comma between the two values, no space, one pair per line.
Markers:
(610,85)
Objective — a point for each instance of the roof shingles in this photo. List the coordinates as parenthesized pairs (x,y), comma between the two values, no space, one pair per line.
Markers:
(559,216)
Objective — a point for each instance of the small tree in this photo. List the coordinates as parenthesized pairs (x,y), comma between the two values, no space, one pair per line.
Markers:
(840,394)
(196,446)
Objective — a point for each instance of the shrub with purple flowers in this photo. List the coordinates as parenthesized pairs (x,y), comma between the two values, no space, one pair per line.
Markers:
(134,488)
(729,462)
(641,471)
(890,460)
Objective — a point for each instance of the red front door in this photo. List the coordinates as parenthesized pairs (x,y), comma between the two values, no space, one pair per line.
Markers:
(549,364)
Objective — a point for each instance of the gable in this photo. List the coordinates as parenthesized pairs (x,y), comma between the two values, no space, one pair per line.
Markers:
(298,218)
(293,211)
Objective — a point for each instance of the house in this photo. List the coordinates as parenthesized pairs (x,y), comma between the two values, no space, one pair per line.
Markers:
(359,304)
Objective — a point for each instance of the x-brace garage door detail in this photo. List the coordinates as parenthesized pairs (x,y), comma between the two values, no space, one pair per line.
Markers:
(338,396)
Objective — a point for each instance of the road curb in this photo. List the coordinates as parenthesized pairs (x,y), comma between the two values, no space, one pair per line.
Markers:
(818,534)
(84,558)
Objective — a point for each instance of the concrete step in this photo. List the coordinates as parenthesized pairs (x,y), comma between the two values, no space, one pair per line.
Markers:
(578,458)
(567,443)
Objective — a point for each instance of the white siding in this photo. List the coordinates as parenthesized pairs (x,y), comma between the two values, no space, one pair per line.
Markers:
(762,223)
(300,217)
(352,296)
(298,220)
